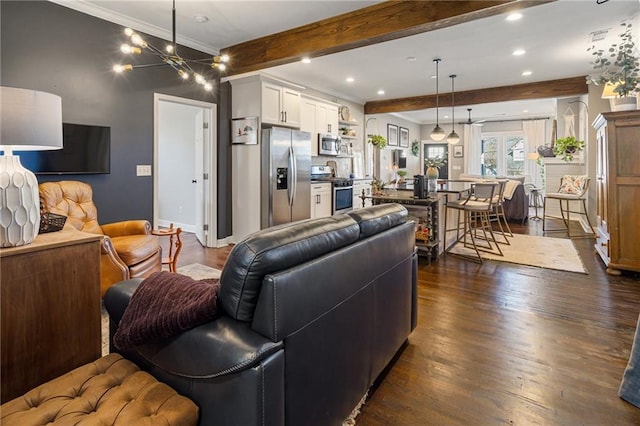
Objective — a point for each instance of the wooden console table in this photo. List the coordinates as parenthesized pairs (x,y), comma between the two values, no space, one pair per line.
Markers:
(50,309)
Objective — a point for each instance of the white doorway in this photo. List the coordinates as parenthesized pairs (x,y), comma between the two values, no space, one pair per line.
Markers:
(184,181)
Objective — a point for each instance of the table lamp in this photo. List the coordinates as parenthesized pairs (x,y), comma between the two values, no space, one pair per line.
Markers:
(29,120)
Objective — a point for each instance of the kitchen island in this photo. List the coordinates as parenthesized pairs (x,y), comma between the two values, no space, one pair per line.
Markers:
(427,212)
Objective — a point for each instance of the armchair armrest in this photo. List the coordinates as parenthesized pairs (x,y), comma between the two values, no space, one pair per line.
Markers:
(127,227)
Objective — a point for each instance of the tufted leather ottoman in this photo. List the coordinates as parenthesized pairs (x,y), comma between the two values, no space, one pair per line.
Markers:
(109,391)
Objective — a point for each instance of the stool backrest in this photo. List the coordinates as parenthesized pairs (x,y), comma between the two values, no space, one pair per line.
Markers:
(484,192)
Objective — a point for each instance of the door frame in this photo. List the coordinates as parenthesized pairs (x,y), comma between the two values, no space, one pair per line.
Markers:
(210,153)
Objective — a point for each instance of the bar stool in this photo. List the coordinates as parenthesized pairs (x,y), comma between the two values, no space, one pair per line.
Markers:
(476,225)
(497,212)
(536,200)
(572,188)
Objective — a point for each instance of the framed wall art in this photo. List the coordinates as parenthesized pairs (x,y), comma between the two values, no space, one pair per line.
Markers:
(244,130)
(404,137)
(392,135)
(458,151)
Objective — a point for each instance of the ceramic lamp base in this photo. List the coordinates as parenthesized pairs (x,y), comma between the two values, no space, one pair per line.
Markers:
(19,203)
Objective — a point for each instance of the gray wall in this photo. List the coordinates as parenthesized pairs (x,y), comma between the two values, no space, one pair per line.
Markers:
(54,49)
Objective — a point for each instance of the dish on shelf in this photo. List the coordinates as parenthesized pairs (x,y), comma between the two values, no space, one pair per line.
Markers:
(345,113)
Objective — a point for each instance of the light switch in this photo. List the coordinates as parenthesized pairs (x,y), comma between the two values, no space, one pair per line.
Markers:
(143,170)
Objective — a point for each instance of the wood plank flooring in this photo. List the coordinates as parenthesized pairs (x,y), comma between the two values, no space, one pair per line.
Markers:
(500,343)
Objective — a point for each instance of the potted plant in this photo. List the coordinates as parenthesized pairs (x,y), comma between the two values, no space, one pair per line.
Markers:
(618,68)
(378,141)
(567,147)
(432,165)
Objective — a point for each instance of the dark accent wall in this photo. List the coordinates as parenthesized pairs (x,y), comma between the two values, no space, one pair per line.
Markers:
(55,49)
(225,225)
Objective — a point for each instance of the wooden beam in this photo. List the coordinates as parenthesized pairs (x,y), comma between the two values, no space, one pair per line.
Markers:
(542,89)
(374,24)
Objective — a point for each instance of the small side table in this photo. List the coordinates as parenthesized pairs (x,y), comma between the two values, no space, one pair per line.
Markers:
(174,247)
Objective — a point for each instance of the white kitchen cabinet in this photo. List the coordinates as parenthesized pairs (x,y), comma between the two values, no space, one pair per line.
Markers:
(308,122)
(358,186)
(280,105)
(319,116)
(321,200)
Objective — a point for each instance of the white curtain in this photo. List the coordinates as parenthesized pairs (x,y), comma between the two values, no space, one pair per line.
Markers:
(534,131)
(472,149)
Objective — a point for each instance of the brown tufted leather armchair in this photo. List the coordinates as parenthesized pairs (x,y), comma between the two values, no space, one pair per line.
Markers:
(128,248)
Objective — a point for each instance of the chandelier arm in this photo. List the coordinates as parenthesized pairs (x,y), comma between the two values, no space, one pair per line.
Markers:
(173,26)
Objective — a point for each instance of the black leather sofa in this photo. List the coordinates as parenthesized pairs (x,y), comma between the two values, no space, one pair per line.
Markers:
(312,313)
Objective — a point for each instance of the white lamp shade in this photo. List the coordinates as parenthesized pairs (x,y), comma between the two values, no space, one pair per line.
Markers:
(437,134)
(31,120)
(608,91)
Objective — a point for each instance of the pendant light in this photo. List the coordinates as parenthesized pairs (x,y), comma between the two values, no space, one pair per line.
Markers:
(437,134)
(453,137)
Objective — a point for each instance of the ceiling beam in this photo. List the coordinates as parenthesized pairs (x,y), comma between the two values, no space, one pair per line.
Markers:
(381,22)
(573,86)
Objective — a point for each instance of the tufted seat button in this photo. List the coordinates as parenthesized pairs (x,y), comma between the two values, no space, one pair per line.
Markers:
(121,394)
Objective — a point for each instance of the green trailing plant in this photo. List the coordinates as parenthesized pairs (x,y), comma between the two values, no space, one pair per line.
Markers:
(618,65)
(378,141)
(436,162)
(567,147)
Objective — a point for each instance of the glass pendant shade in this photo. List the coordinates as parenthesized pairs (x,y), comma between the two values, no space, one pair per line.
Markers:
(453,137)
(437,134)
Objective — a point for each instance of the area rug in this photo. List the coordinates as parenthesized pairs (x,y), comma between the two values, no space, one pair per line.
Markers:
(531,250)
(196,271)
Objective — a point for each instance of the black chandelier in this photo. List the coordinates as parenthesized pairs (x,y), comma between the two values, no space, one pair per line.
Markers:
(169,56)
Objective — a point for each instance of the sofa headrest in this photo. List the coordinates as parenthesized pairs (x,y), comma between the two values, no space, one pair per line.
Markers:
(275,249)
(376,219)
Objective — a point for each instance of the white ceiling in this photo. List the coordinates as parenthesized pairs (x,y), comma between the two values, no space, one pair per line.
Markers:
(555,37)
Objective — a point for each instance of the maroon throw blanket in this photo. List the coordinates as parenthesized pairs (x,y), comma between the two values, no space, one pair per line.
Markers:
(163,305)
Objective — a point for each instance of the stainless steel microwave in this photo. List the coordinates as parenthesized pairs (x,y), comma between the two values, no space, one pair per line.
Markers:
(328,144)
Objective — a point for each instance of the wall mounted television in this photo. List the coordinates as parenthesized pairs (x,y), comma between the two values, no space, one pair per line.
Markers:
(86,150)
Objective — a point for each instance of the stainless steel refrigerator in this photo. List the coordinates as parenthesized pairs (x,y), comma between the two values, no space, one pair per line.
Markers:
(286,176)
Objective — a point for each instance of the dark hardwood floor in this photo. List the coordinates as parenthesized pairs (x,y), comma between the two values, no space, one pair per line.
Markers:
(500,343)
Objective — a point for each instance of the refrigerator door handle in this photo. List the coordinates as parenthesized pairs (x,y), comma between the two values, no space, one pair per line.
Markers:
(294,179)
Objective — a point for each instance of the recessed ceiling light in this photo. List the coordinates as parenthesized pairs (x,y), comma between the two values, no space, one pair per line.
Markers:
(411,58)
(350,79)
(200,19)
(306,60)
(525,110)
(519,52)
(433,76)
(380,92)
(514,16)
(526,73)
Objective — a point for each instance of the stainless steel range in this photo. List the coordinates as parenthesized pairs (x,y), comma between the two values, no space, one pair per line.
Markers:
(342,188)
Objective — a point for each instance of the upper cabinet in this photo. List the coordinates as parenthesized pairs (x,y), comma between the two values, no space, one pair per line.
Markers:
(280,105)
(318,116)
(274,102)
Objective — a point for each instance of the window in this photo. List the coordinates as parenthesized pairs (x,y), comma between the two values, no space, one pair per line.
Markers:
(502,154)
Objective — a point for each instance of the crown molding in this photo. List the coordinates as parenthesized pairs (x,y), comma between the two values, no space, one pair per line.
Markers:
(100,12)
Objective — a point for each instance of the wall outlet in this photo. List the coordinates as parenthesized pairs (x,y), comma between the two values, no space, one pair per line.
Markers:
(143,170)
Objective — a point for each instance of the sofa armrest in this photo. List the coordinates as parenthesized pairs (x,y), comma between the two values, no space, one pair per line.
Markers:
(217,348)
(127,227)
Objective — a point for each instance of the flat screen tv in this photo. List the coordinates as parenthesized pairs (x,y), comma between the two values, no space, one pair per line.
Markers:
(86,150)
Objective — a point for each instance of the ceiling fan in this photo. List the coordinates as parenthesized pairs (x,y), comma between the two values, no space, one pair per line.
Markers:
(469,121)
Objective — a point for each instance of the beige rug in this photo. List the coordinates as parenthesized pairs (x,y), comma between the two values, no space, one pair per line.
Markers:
(196,271)
(542,252)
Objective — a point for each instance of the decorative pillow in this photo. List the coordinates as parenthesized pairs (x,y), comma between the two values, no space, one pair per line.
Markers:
(572,184)
(164,305)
